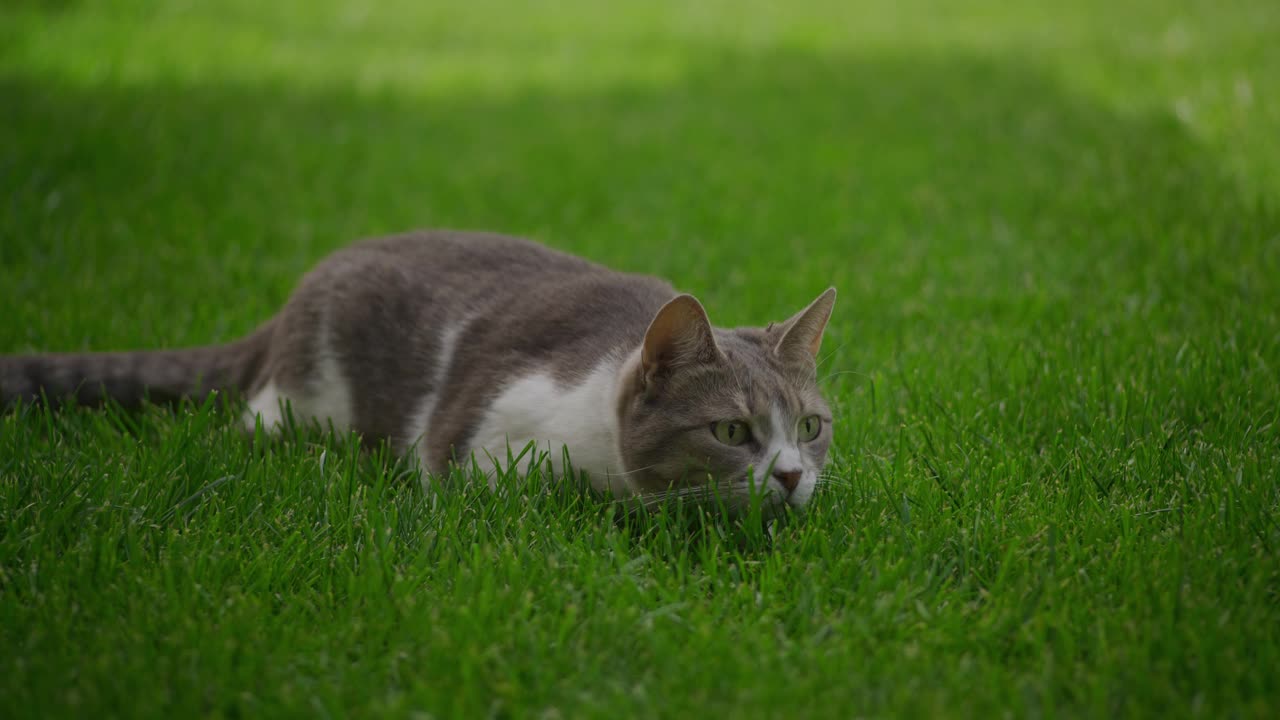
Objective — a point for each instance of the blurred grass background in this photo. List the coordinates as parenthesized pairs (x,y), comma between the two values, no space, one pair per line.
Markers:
(1054,231)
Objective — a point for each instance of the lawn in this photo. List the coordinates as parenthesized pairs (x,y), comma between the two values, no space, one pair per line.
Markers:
(1054,363)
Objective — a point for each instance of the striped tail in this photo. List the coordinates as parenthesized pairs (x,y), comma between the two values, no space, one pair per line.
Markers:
(129,378)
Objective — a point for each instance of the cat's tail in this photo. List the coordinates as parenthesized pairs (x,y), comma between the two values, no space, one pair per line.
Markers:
(129,378)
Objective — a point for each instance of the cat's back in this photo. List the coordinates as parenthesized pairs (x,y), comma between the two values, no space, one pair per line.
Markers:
(524,293)
(469,253)
(475,270)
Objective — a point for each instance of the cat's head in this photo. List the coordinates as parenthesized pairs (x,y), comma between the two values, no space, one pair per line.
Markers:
(715,412)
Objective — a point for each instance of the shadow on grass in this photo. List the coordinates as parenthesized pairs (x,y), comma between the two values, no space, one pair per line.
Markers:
(948,168)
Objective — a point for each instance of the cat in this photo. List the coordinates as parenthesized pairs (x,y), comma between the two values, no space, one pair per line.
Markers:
(453,345)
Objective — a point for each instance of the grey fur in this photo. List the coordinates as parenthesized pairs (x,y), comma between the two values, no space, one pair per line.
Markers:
(379,308)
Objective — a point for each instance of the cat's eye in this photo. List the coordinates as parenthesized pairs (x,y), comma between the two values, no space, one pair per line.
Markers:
(809,428)
(731,432)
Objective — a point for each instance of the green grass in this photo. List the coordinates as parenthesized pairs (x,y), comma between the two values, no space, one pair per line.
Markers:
(1055,361)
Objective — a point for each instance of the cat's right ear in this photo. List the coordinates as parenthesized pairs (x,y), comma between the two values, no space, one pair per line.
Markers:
(679,335)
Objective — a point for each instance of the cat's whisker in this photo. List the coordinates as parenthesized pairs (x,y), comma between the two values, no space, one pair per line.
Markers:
(689,492)
(624,473)
(830,355)
(836,480)
(825,378)
(733,492)
(686,491)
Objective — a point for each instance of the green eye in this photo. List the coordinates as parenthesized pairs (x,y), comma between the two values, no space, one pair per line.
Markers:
(809,428)
(731,432)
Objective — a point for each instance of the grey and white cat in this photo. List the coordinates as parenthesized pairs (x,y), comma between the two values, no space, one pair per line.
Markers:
(451,343)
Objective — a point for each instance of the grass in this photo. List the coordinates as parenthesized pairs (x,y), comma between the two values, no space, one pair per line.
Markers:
(1055,361)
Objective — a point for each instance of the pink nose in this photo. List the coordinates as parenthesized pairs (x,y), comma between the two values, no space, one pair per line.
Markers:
(789,478)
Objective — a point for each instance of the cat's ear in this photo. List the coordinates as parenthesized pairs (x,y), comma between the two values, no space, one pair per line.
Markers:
(680,334)
(802,334)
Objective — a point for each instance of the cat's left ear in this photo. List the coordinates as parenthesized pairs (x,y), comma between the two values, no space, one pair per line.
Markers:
(802,334)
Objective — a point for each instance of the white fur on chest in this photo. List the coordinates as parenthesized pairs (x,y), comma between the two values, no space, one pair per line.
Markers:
(581,417)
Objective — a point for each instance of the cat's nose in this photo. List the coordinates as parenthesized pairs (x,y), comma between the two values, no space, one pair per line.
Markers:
(789,478)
